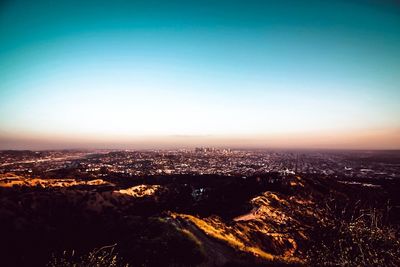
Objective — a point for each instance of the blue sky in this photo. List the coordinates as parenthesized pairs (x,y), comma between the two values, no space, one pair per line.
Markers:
(127,70)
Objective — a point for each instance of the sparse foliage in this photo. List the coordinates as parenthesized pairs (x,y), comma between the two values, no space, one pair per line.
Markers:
(364,240)
(101,257)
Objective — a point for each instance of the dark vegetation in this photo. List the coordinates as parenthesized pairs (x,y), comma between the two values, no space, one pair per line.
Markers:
(361,225)
(36,222)
(52,226)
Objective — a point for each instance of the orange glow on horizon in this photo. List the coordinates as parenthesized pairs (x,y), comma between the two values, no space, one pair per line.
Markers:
(362,139)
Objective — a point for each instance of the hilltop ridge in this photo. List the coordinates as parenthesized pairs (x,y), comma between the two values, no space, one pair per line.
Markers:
(199,220)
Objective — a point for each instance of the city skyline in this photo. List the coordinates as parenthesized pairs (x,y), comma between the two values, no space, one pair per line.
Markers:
(230,73)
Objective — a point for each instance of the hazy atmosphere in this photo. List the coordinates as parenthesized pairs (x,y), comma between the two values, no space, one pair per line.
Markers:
(309,74)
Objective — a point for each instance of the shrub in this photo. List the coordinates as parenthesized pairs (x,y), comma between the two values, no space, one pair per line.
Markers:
(361,241)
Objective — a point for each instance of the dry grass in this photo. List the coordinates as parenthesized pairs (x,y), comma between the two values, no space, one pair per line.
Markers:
(102,257)
(235,238)
(361,241)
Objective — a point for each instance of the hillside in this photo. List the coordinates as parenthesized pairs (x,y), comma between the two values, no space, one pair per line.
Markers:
(195,220)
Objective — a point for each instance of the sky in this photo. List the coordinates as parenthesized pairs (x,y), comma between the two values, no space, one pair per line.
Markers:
(148,74)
